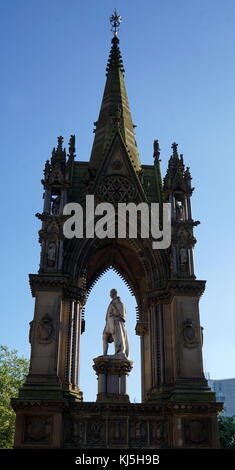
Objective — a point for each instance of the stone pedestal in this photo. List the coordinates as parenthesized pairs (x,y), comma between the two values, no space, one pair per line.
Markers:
(112,372)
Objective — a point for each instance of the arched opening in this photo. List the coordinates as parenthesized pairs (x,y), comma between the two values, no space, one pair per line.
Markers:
(91,340)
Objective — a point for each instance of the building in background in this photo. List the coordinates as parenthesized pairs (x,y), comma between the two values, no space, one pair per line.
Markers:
(225,392)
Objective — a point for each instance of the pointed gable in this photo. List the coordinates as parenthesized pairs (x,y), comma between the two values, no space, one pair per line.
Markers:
(116,179)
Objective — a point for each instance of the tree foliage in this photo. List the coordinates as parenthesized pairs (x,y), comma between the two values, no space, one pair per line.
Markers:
(12,375)
(227,432)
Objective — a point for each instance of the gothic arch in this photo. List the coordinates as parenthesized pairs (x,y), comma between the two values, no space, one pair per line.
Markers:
(141,268)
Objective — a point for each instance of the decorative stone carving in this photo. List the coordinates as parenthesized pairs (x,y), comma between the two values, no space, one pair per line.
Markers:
(190,339)
(75,293)
(116,189)
(157,434)
(196,432)
(72,149)
(38,429)
(45,330)
(183,260)
(140,430)
(51,253)
(177,287)
(47,170)
(55,206)
(52,226)
(78,432)
(182,233)
(156,150)
(42,281)
(141,328)
(179,210)
(110,365)
(56,177)
(117,432)
(95,432)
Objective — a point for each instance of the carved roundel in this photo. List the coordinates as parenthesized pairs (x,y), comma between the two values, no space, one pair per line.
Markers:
(116,189)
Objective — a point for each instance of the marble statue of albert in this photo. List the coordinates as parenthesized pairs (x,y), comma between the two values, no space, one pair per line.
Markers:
(114,330)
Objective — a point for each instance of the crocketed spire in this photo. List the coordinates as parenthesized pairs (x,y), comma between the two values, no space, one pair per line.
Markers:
(115,114)
(115,57)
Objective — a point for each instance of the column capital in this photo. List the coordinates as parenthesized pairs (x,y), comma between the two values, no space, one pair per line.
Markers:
(63,283)
(177,287)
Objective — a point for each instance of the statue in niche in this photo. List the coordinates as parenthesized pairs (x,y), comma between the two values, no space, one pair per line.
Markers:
(114,330)
(184,259)
(179,210)
(55,205)
(45,329)
(51,254)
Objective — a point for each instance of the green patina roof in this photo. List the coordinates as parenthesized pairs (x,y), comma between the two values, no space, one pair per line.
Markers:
(152,183)
(79,178)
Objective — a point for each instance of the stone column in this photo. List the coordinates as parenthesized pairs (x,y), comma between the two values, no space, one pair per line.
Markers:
(70,352)
(142,330)
(44,336)
(176,343)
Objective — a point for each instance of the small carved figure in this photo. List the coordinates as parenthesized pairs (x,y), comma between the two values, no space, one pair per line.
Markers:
(51,254)
(55,205)
(114,330)
(156,150)
(179,210)
(56,175)
(183,259)
(72,146)
(47,170)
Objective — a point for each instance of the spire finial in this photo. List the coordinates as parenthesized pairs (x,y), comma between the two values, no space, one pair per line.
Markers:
(60,143)
(115,21)
(156,151)
(174,148)
(71,154)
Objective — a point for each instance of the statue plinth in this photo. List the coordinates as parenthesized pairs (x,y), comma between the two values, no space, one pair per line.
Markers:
(112,371)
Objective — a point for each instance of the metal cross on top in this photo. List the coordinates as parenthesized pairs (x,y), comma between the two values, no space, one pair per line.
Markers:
(115,21)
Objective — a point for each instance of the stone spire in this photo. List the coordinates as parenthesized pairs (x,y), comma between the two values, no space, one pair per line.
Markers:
(115,57)
(176,177)
(115,112)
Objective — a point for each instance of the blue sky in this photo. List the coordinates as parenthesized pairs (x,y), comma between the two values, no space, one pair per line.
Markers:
(180,68)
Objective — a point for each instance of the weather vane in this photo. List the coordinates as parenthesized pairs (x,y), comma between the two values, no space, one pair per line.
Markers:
(115,21)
